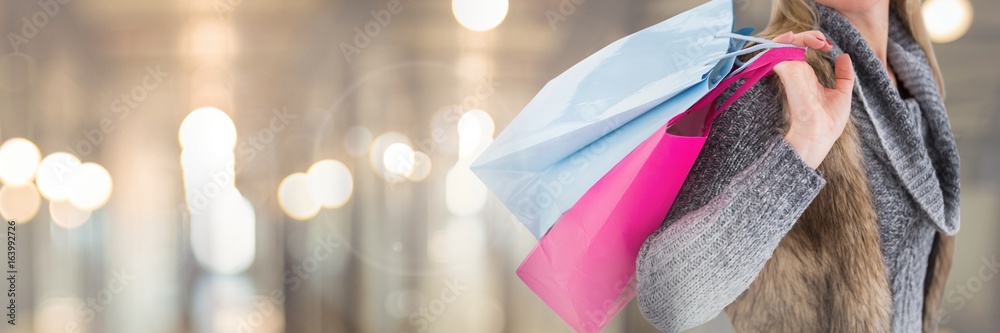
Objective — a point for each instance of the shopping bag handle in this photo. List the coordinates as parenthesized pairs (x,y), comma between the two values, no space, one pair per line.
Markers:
(761,67)
(762,44)
(753,72)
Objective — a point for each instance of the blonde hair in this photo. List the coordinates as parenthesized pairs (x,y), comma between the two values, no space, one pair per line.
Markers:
(801,15)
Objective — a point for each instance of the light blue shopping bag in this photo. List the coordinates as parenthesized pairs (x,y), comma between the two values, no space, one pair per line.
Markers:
(590,117)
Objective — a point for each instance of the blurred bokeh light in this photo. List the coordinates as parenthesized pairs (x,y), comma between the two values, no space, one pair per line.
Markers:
(207,128)
(479,15)
(330,183)
(55,173)
(67,215)
(19,159)
(19,203)
(295,199)
(947,20)
(90,186)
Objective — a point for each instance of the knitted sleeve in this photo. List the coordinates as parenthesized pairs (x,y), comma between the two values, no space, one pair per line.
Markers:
(744,193)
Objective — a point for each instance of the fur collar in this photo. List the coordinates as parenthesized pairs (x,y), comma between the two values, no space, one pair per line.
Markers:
(828,274)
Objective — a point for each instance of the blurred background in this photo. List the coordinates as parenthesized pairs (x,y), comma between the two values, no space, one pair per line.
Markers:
(302,165)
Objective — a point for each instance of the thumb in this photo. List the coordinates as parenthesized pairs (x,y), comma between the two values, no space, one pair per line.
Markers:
(844,72)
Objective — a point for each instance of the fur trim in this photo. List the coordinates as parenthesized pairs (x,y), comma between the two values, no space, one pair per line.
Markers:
(937,275)
(828,273)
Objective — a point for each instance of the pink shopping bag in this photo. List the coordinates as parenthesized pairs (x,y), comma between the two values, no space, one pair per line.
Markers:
(583,268)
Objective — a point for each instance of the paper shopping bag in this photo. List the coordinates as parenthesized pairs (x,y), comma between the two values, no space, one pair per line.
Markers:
(588,118)
(583,268)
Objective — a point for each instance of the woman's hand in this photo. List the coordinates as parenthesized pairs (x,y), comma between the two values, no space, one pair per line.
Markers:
(818,115)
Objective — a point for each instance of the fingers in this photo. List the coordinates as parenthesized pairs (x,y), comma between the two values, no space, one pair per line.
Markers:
(786,38)
(798,77)
(795,75)
(784,69)
(844,72)
(792,69)
(812,39)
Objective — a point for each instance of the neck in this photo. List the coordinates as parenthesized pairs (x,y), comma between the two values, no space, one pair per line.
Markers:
(873,24)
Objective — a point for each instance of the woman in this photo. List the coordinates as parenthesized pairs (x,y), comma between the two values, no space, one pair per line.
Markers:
(825,198)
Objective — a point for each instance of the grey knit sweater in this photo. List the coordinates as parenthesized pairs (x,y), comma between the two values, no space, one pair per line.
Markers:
(748,188)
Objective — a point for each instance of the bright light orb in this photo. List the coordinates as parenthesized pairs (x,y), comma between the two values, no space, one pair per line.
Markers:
(90,187)
(232,228)
(330,183)
(19,203)
(64,214)
(947,20)
(208,128)
(54,174)
(479,15)
(224,239)
(465,194)
(421,167)
(19,159)
(378,151)
(294,198)
(475,132)
(398,159)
